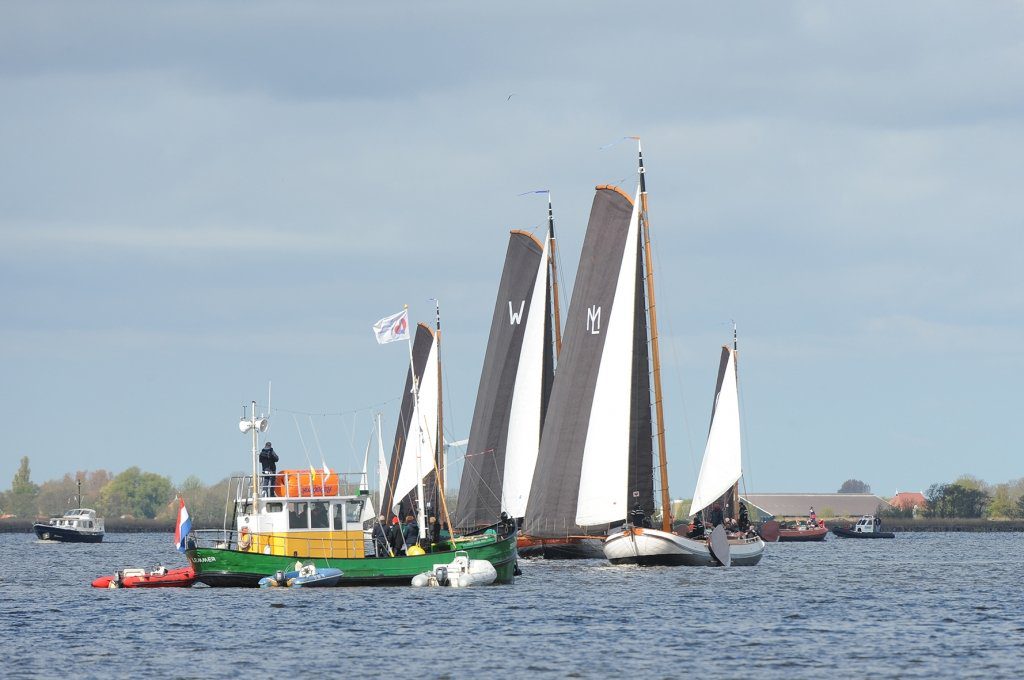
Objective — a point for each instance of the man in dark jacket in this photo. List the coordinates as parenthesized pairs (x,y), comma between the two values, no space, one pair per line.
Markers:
(744,522)
(380,538)
(396,537)
(412,531)
(268,460)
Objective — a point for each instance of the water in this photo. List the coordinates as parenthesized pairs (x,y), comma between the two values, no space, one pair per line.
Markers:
(919,605)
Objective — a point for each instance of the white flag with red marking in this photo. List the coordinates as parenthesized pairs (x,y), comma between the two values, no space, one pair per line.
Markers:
(392,328)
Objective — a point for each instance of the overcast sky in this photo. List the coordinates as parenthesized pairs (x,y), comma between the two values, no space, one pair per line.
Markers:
(197,198)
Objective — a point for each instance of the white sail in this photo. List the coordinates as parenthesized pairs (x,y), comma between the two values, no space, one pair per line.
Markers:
(421,442)
(604,477)
(525,413)
(721,467)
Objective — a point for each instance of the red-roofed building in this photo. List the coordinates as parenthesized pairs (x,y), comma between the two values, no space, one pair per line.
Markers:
(909,500)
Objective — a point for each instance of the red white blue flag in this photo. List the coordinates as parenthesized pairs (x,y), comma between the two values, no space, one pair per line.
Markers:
(183,527)
(392,328)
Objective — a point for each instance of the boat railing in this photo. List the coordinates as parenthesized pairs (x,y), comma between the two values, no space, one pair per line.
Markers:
(284,544)
(301,484)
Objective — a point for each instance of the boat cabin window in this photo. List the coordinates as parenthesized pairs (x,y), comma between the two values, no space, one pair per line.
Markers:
(87,524)
(298,516)
(338,516)
(275,507)
(353,511)
(319,515)
(243,508)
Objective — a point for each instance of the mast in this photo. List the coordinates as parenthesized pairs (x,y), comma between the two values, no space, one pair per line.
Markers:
(439,446)
(440,502)
(666,517)
(734,499)
(79,492)
(554,278)
(255,457)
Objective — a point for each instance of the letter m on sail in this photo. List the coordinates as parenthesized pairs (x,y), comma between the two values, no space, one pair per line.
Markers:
(514,317)
(594,319)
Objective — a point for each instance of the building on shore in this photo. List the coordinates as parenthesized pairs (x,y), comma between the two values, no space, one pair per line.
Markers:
(825,505)
(914,501)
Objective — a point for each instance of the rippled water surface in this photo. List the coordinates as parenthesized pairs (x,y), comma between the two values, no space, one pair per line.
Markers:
(919,605)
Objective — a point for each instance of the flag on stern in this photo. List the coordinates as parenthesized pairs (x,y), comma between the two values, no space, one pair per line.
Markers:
(183,526)
(392,328)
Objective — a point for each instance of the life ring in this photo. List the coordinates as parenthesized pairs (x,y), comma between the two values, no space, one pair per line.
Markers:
(244,539)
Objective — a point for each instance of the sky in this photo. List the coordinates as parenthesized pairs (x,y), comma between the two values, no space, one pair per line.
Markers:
(201,198)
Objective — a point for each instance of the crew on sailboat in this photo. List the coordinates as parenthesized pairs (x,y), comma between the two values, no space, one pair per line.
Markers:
(697,528)
(639,518)
(744,521)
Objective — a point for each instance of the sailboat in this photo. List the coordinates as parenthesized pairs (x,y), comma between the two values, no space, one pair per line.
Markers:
(595,460)
(515,384)
(319,519)
(638,542)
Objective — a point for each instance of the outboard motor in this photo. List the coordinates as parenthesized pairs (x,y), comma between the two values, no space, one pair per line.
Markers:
(279,577)
(441,574)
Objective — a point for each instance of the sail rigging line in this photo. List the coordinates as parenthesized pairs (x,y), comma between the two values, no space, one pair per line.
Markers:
(370,407)
(316,437)
(553,267)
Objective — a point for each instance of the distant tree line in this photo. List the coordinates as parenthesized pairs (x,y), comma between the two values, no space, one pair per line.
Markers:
(131,494)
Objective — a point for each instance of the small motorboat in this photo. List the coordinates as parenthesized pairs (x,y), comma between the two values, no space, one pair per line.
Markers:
(75,526)
(462,572)
(867,526)
(803,531)
(159,577)
(304,576)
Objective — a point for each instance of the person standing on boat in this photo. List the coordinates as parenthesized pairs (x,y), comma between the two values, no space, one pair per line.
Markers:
(744,522)
(716,515)
(268,460)
(380,538)
(412,531)
(396,538)
(813,518)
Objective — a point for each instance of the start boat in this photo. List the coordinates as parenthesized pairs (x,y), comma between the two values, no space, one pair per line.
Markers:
(867,526)
(318,518)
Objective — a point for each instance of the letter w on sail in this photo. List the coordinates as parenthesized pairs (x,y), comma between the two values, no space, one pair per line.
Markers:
(514,317)
(594,319)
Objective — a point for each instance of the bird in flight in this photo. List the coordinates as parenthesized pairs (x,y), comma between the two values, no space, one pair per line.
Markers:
(510,96)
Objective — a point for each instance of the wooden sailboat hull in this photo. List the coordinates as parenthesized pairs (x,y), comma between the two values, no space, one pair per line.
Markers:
(652,547)
(568,548)
(235,568)
(802,535)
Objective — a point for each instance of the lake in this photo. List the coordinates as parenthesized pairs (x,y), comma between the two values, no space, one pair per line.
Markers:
(920,605)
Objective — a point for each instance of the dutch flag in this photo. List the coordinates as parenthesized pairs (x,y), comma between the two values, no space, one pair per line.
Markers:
(183,527)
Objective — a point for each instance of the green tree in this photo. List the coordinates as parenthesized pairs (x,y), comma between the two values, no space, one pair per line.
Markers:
(206,504)
(953,500)
(1002,504)
(1019,507)
(137,494)
(854,486)
(20,500)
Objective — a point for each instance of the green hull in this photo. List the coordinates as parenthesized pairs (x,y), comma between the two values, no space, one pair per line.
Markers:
(222,567)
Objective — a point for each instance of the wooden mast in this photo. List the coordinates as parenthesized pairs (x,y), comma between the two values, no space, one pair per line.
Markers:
(554,278)
(666,515)
(734,500)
